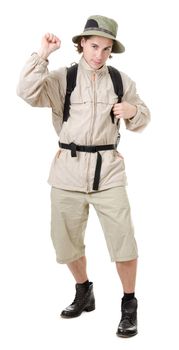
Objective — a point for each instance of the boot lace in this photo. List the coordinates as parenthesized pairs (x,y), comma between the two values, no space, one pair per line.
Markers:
(79,295)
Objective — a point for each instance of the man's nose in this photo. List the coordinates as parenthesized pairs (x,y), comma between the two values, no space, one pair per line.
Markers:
(99,54)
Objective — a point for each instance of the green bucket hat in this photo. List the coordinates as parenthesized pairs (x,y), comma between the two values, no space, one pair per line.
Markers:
(102,26)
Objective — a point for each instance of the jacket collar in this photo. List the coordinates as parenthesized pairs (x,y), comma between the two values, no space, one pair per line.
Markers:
(85,65)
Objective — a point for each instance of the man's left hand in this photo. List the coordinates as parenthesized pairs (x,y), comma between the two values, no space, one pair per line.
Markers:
(124,110)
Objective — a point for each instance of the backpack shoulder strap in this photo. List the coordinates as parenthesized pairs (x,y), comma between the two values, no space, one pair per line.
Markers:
(117,82)
(118,85)
(71,83)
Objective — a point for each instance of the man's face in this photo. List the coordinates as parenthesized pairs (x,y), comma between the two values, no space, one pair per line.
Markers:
(96,50)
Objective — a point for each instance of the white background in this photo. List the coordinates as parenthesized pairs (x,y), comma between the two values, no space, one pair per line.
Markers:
(34,289)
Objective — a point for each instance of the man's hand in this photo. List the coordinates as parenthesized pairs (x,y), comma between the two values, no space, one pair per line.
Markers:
(124,110)
(49,43)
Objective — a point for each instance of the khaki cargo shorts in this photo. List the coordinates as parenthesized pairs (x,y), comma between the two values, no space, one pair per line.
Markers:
(69,215)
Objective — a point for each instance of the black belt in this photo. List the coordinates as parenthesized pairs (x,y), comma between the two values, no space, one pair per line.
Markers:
(90,149)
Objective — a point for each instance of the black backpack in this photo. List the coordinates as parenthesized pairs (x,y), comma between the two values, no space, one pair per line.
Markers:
(71,83)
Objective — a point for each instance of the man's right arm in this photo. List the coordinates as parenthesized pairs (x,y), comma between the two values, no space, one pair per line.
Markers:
(36,85)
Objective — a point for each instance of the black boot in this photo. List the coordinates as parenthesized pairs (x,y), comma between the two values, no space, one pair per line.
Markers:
(128,324)
(84,301)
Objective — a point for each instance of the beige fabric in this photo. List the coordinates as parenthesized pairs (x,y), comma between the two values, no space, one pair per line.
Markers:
(89,122)
(69,215)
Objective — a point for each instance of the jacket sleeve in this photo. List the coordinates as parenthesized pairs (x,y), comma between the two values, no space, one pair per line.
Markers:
(41,88)
(142,117)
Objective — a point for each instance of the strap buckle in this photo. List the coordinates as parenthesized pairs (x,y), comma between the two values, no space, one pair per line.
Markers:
(73,149)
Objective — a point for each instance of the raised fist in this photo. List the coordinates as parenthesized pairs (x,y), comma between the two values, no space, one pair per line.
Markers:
(49,43)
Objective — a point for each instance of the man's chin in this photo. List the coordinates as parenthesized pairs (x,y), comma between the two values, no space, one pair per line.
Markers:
(97,66)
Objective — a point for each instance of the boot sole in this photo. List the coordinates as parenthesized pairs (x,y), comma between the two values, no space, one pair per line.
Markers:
(126,335)
(87,309)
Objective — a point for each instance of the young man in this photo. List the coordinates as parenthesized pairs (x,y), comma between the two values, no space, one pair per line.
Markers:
(88,168)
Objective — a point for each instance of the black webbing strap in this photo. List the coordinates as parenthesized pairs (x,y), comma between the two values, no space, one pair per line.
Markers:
(90,149)
(118,86)
(71,83)
(97,172)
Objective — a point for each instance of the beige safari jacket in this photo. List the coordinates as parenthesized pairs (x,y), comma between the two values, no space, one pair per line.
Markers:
(89,122)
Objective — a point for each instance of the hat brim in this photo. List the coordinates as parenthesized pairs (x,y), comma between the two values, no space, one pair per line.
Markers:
(117,46)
